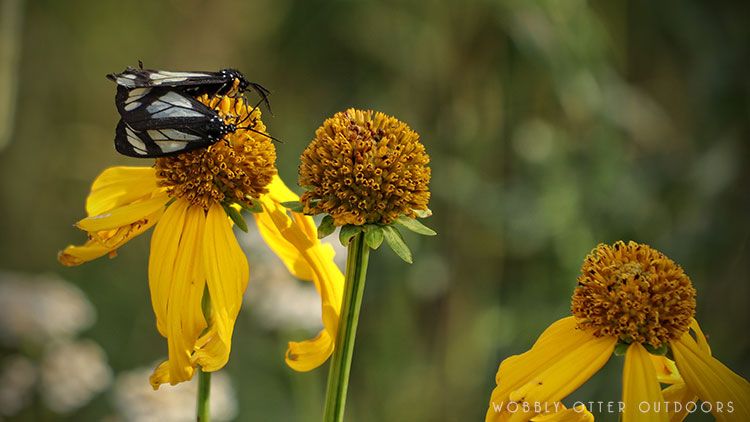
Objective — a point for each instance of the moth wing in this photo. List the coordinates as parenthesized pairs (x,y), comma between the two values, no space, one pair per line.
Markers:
(143,78)
(144,108)
(158,142)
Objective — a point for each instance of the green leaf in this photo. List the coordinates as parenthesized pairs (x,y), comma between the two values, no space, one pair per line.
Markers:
(326,227)
(295,206)
(347,232)
(621,349)
(396,242)
(236,217)
(252,206)
(658,351)
(415,226)
(423,213)
(373,236)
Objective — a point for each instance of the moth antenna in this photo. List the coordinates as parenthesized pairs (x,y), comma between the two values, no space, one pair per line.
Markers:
(263,93)
(247,116)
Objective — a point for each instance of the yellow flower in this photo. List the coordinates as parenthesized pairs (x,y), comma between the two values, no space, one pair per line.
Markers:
(194,254)
(633,295)
(364,167)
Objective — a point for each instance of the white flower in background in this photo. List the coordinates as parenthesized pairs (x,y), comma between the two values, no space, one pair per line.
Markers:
(136,401)
(72,373)
(17,378)
(274,297)
(41,307)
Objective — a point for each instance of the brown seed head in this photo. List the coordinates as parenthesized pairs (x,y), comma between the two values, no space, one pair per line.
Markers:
(241,164)
(635,293)
(364,167)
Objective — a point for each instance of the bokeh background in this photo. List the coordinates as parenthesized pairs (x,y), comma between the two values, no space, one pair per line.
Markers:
(552,126)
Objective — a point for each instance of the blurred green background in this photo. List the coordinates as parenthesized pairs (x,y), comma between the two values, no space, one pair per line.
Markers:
(552,126)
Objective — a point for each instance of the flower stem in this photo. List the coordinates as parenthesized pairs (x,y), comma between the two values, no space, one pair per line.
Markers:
(204,392)
(338,375)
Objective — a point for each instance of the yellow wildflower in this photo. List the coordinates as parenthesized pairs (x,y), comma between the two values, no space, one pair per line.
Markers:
(633,295)
(194,254)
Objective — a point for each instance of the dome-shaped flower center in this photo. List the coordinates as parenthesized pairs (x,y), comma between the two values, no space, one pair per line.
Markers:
(635,293)
(364,167)
(238,166)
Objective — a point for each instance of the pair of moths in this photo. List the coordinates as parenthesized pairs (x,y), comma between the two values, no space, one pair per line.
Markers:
(160,115)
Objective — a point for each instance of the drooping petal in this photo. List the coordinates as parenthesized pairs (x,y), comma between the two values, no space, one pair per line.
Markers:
(117,186)
(107,241)
(711,380)
(303,356)
(677,396)
(123,203)
(123,215)
(177,280)
(227,276)
(295,241)
(641,392)
(561,360)
(579,413)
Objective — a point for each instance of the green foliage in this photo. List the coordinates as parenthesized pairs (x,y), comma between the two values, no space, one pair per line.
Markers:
(373,236)
(347,232)
(236,217)
(396,242)
(294,206)
(326,227)
(415,226)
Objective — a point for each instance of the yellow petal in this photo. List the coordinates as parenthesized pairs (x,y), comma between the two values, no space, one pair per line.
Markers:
(117,186)
(294,240)
(712,381)
(107,241)
(124,215)
(677,396)
(227,275)
(561,360)
(307,355)
(279,192)
(641,392)
(177,279)
(161,375)
(579,413)
(666,370)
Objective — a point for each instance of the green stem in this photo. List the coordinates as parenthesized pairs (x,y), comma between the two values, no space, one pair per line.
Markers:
(204,392)
(338,375)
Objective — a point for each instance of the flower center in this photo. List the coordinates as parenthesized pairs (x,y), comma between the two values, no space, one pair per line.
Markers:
(364,167)
(237,167)
(635,293)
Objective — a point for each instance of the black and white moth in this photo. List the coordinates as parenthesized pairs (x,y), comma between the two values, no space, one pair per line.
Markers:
(161,117)
(158,122)
(190,83)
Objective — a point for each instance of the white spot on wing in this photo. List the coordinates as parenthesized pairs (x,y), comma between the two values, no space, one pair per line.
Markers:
(172,134)
(136,94)
(165,74)
(172,104)
(135,141)
(171,146)
(126,81)
(166,77)
(132,105)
